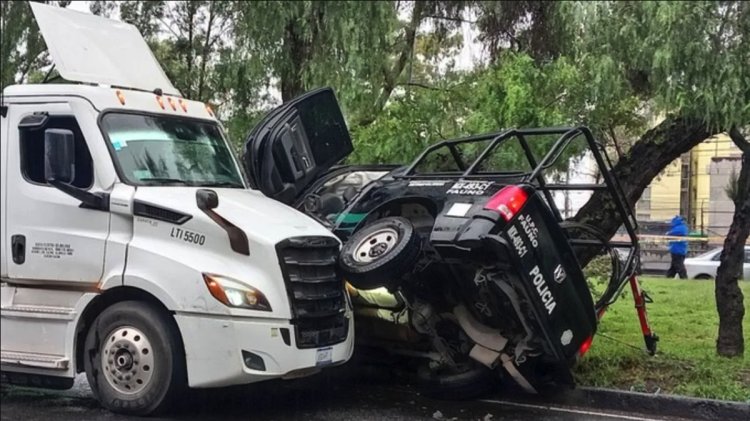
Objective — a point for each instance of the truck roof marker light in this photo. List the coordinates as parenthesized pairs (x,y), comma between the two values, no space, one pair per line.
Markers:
(160,101)
(210,111)
(585,346)
(171,103)
(183,105)
(508,201)
(120,96)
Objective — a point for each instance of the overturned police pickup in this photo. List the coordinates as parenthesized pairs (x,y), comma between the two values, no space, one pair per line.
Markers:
(461,258)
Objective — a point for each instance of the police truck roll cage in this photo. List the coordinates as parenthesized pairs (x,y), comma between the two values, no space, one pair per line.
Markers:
(622,270)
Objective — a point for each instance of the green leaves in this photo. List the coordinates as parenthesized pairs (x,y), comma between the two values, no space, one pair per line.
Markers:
(611,65)
(517,93)
(694,55)
(22,49)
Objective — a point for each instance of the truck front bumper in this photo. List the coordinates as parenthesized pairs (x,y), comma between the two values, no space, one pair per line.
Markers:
(214,350)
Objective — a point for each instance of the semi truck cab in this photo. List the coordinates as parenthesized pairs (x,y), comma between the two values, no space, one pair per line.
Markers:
(132,248)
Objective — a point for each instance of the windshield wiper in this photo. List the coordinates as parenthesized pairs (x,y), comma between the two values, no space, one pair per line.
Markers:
(165,180)
(218,184)
(168,181)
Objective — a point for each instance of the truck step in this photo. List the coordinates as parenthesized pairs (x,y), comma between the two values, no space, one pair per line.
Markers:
(37,312)
(29,359)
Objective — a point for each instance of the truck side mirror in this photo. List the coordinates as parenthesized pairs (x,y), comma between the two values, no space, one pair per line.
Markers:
(59,155)
(206,199)
(59,168)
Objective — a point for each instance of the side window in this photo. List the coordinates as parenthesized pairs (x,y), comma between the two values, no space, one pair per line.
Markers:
(747,256)
(31,138)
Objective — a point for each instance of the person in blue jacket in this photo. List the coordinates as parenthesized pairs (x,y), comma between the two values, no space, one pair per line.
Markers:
(678,249)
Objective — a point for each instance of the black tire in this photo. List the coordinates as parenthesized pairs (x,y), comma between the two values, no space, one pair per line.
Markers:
(385,268)
(704,277)
(168,377)
(472,383)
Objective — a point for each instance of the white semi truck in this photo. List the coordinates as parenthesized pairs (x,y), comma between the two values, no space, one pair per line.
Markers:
(132,248)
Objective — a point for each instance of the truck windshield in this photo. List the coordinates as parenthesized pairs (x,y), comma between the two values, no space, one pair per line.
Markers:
(156,150)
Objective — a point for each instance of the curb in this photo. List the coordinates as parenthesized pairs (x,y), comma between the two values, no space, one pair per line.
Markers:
(593,398)
(642,403)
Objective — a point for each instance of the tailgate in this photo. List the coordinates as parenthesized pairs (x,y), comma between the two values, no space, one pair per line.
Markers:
(551,277)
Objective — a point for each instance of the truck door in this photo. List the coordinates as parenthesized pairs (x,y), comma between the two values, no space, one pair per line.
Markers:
(296,143)
(53,241)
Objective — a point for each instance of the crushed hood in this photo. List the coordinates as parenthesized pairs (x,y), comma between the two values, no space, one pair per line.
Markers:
(92,49)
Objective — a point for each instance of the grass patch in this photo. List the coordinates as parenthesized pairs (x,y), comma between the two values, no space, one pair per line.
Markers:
(684,317)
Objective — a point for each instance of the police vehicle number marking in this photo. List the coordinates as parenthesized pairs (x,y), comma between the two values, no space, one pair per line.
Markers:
(518,244)
(469,188)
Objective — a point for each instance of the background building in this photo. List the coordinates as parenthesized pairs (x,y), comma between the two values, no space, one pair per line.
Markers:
(694,186)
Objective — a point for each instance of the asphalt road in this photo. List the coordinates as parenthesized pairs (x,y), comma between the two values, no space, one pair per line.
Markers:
(328,398)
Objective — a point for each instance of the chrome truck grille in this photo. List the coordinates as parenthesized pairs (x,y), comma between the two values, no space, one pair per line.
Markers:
(316,290)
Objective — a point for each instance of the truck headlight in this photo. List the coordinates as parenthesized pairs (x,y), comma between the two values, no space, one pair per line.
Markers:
(234,293)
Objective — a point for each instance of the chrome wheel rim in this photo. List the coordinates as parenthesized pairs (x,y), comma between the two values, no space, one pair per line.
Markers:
(127,360)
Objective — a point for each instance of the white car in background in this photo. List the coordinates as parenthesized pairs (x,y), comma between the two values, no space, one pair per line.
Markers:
(705,265)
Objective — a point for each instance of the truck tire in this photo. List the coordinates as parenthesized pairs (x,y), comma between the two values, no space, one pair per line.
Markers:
(380,253)
(134,359)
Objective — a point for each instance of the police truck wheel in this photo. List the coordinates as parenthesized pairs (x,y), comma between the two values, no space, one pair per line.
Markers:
(380,253)
(134,360)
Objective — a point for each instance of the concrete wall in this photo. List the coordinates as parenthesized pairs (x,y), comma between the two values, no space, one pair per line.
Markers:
(704,179)
(721,208)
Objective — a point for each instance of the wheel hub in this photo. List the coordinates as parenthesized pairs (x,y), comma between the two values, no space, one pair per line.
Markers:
(123,360)
(378,249)
(127,360)
(375,245)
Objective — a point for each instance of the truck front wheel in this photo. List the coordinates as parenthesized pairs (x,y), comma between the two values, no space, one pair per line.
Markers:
(134,360)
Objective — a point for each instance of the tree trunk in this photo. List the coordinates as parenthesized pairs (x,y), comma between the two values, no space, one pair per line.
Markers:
(191,9)
(291,75)
(729,298)
(656,149)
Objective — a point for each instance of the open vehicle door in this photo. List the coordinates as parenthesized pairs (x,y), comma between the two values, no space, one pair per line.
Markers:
(296,143)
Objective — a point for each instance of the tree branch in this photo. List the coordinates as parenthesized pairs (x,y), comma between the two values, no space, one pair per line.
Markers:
(391,75)
(29,65)
(424,86)
(743,181)
(169,27)
(206,48)
(739,139)
(618,148)
(544,107)
(450,18)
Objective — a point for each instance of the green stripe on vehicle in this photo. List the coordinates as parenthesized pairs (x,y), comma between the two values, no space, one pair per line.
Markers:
(350,218)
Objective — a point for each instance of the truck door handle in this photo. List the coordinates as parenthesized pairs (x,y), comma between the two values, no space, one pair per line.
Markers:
(18,248)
